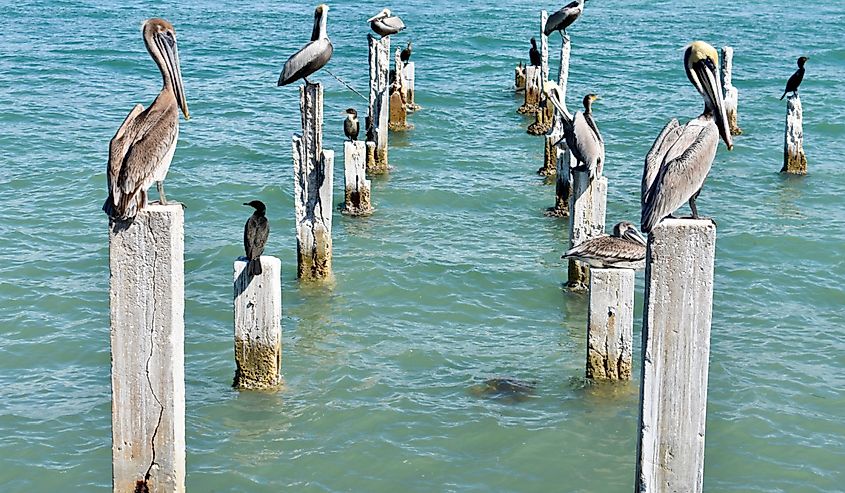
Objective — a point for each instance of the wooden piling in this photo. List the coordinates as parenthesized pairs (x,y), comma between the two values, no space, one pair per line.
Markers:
(519,78)
(258,325)
(794,159)
(357,186)
(147,304)
(731,93)
(587,206)
(675,353)
(557,156)
(398,119)
(544,45)
(533,86)
(610,324)
(313,171)
(379,58)
(409,76)
(544,116)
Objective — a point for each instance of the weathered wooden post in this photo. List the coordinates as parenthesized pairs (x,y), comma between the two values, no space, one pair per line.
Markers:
(147,305)
(398,119)
(533,87)
(357,186)
(731,93)
(794,159)
(258,325)
(519,78)
(587,206)
(610,324)
(557,158)
(544,45)
(379,103)
(313,170)
(675,353)
(409,77)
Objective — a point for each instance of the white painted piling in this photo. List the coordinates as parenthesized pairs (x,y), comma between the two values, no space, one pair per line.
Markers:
(587,207)
(398,118)
(731,93)
(357,186)
(544,45)
(794,159)
(313,172)
(147,304)
(258,325)
(676,349)
(378,110)
(557,156)
(610,324)
(410,76)
(533,78)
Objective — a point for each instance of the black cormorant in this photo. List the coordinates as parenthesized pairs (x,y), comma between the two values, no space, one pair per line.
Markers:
(350,124)
(256,231)
(796,78)
(534,56)
(405,55)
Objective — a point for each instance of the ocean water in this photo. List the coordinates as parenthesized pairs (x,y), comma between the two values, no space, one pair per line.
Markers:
(456,278)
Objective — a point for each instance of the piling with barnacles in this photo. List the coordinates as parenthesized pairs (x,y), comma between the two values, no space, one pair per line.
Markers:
(313,171)
(587,207)
(378,110)
(610,324)
(398,119)
(408,81)
(794,159)
(545,111)
(533,87)
(675,354)
(558,156)
(731,93)
(258,325)
(147,305)
(357,186)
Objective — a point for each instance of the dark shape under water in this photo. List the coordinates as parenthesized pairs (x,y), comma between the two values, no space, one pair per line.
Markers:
(507,389)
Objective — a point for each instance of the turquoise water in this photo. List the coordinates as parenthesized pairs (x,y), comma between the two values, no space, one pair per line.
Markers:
(456,278)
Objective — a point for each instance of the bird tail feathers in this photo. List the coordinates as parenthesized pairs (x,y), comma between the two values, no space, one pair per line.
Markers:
(254,267)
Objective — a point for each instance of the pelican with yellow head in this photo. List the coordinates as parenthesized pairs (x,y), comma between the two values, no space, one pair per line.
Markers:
(681,156)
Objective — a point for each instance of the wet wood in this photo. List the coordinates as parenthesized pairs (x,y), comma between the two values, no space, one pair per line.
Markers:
(610,324)
(357,200)
(258,325)
(379,102)
(794,159)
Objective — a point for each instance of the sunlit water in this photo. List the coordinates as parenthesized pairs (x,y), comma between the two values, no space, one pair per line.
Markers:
(455,279)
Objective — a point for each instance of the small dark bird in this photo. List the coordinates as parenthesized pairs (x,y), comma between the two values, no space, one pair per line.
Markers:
(405,55)
(350,125)
(370,128)
(796,78)
(256,231)
(534,56)
(314,55)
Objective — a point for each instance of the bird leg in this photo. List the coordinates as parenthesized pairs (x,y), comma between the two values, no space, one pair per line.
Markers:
(161,198)
(694,209)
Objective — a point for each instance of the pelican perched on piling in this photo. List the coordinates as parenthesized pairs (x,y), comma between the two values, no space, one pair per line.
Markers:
(564,17)
(584,139)
(680,158)
(142,149)
(624,249)
(385,24)
(314,55)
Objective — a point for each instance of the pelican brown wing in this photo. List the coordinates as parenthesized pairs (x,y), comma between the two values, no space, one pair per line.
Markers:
(607,250)
(125,136)
(668,136)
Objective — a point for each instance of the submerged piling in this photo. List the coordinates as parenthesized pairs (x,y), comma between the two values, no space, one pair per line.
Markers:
(675,354)
(147,304)
(357,186)
(731,93)
(258,325)
(794,159)
(587,206)
(610,324)
(379,58)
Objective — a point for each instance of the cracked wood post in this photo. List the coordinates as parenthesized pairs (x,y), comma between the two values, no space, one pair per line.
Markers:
(409,77)
(610,324)
(398,118)
(731,93)
(258,325)
(587,207)
(357,186)
(379,106)
(313,171)
(544,45)
(560,157)
(545,112)
(675,353)
(147,304)
(794,159)
(519,78)
(533,79)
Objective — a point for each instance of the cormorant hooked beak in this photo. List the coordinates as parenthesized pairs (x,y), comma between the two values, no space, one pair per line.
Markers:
(701,64)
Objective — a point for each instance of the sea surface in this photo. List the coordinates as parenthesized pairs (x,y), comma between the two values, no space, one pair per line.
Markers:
(456,277)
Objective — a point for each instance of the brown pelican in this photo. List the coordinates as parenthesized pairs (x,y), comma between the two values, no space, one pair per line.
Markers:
(350,124)
(625,249)
(796,78)
(256,231)
(534,56)
(384,24)
(564,17)
(142,149)
(584,140)
(680,158)
(314,55)
(405,54)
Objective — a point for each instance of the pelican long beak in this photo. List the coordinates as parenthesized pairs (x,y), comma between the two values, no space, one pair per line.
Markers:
(632,234)
(703,72)
(166,41)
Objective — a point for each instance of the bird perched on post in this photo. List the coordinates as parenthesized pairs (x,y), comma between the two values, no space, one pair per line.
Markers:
(564,18)
(314,55)
(350,124)
(681,157)
(624,249)
(796,78)
(534,56)
(584,140)
(256,231)
(405,54)
(385,24)
(142,149)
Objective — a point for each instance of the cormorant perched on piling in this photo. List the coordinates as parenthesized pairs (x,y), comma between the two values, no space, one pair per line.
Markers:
(584,140)
(350,124)
(534,56)
(624,249)
(796,78)
(314,55)
(256,231)
(142,149)
(385,24)
(564,17)
(681,157)
(405,54)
